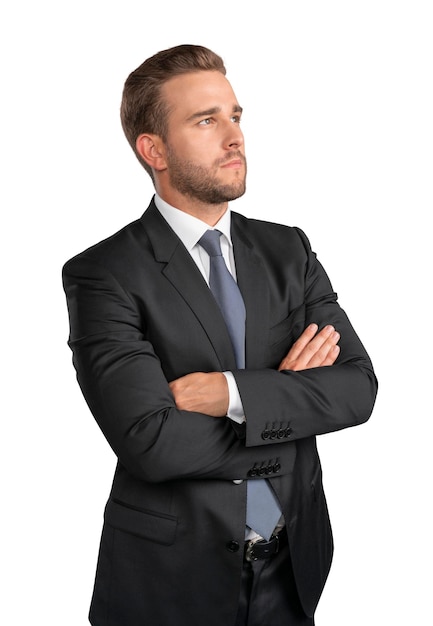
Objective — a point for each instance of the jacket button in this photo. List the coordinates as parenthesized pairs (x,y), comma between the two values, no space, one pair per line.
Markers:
(288,432)
(273,434)
(266,434)
(281,433)
(277,468)
(232,546)
(252,472)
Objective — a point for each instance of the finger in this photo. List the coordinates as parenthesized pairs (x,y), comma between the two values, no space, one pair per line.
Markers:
(310,347)
(322,353)
(314,352)
(298,348)
(300,344)
(331,357)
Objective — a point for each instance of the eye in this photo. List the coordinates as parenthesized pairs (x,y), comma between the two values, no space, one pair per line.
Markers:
(205,122)
(236,119)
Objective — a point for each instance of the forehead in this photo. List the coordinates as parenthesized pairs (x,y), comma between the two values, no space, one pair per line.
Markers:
(198,91)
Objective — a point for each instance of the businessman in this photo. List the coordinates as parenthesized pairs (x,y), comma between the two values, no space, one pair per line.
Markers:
(211,350)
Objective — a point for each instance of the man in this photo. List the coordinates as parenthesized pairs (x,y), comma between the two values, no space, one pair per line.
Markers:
(197,417)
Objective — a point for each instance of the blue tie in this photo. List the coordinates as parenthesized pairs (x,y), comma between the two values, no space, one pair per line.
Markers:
(263,511)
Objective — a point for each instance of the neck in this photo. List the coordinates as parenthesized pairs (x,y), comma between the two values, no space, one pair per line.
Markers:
(208,213)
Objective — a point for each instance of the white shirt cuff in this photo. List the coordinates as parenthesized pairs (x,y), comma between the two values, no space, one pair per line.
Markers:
(236,410)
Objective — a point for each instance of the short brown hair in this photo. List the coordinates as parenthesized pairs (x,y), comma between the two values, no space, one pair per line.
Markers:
(142,109)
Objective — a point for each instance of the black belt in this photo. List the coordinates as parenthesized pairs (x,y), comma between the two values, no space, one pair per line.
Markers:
(261,549)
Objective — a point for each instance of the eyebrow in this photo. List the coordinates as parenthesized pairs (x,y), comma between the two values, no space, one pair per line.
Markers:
(213,111)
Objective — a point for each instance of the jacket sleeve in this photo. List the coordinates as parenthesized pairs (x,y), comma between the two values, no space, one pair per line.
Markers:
(314,401)
(125,388)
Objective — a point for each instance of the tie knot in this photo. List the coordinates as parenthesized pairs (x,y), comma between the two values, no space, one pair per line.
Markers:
(210,241)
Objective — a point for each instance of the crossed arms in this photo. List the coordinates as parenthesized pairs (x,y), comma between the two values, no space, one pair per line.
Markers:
(208,392)
(162,430)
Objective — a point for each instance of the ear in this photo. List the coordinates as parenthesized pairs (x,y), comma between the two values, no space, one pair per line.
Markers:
(151,150)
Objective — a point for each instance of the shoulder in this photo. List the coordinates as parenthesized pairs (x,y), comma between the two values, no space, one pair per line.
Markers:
(112,254)
(112,244)
(124,246)
(271,235)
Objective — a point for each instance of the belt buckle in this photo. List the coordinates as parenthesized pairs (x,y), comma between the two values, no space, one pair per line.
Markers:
(249,551)
(249,555)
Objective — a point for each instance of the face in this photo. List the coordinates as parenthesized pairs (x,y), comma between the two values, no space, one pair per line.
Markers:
(204,151)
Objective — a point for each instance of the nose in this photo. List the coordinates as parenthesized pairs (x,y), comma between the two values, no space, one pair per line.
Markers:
(234,137)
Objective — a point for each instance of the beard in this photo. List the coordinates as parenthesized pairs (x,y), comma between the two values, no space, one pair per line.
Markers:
(198,182)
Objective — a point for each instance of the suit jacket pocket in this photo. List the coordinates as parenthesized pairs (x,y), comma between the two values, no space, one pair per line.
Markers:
(146,524)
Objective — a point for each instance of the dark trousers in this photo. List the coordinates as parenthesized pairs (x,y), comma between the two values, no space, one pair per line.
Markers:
(268,594)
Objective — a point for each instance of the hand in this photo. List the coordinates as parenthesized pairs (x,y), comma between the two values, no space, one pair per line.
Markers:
(204,393)
(312,349)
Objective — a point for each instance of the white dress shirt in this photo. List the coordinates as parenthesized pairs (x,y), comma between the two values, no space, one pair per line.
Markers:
(190,229)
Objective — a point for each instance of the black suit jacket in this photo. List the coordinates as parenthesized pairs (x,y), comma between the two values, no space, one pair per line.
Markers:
(142,315)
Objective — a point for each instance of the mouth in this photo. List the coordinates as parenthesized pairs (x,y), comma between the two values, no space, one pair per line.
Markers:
(234,164)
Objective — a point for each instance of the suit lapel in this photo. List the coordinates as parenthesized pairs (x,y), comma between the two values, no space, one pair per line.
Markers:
(180,269)
(254,286)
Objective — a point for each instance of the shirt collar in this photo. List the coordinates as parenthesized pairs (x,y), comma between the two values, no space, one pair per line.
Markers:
(188,228)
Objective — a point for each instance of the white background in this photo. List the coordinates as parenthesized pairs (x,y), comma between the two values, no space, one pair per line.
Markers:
(338,122)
